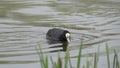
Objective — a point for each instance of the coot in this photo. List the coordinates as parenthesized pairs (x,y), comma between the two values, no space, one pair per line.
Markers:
(57,34)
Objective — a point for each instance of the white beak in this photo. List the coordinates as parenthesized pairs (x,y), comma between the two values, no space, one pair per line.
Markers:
(68,39)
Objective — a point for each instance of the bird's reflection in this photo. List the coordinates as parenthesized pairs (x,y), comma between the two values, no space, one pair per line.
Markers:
(64,46)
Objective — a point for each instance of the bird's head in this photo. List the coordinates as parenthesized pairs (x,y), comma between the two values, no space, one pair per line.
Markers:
(68,37)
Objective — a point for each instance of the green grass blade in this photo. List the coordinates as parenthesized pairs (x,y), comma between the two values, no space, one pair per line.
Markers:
(46,62)
(59,62)
(116,60)
(40,59)
(70,62)
(53,64)
(107,52)
(96,57)
(87,63)
(79,56)
(66,58)
(95,61)
(43,61)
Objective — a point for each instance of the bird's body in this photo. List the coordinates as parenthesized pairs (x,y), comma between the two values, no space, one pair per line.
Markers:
(56,34)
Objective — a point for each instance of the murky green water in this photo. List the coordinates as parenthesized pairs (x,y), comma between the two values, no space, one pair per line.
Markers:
(24,23)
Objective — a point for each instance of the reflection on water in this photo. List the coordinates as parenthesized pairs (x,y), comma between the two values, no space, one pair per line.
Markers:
(23,26)
(64,47)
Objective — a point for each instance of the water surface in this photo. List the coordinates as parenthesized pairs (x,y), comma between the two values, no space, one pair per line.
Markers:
(24,24)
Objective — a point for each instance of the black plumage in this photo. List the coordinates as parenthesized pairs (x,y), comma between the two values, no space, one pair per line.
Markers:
(57,34)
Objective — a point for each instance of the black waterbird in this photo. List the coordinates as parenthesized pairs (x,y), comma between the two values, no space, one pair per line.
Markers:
(59,35)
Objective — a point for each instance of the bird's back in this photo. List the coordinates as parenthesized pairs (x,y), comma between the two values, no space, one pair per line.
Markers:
(54,34)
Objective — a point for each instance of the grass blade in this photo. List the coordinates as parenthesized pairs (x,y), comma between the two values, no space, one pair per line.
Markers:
(79,56)
(70,63)
(107,52)
(95,61)
(46,62)
(53,64)
(87,63)
(116,60)
(40,58)
(59,63)
(66,58)
(96,58)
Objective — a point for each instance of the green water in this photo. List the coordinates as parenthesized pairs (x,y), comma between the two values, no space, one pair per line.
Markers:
(24,23)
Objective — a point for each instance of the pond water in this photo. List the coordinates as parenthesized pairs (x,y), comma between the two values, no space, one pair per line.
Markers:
(24,24)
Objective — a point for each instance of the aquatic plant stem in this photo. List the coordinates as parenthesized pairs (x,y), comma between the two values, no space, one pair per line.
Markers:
(107,52)
(79,56)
